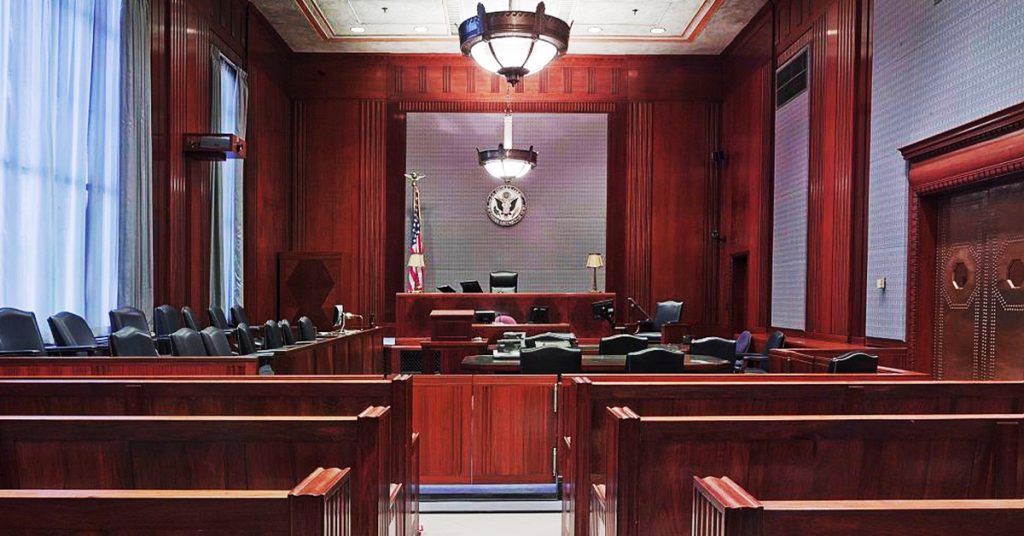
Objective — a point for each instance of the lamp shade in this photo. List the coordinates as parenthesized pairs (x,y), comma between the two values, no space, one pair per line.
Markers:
(416,260)
(595,260)
(513,44)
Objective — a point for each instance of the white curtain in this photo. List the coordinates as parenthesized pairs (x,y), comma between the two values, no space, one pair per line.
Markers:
(59,113)
(228,110)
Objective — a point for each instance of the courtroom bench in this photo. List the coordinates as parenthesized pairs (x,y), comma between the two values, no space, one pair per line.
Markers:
(318,506)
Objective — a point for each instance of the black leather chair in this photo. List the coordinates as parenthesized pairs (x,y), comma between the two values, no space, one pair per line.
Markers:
(743,342)
(655,361)
(715,347)
(166,320)
(71,330)
(271,335)
(238,315)
(19,333)
(287,335)
(563,340)
(504,282)
(130,341)
(125,317)
(188,317)
(667,312)
(307,330)
(471,287)
(550,360)
(217,318)
(539,314)
(246,346)
(187,342)
(757,362)
(854,363)
(621,345)
(215,342)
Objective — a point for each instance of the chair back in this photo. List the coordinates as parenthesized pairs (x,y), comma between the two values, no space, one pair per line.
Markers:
(854,363)
(19,331)
(217,318)
(188,317)
(246,346)
(715,347)
(166,320)
(215,341)
(743,342)
(504,281)
(238,315)
(69,329)
(655,361)
(550,360)
(667,312)
(130,341)
(470,287)
(775,341)
(125,317)
(307,330)
(539,314)
(271,335)
(287,335)
(562,340)
(621,344)
(187,342)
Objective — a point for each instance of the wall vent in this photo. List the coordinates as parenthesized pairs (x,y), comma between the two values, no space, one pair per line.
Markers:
(791,79)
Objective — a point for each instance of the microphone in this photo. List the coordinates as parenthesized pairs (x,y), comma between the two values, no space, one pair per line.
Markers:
(634,305)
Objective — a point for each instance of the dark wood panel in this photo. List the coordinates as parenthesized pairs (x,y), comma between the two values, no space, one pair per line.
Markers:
(127,366)
(442,407)
(513,429)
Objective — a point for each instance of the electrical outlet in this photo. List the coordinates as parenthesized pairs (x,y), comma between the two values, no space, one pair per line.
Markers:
(880,283)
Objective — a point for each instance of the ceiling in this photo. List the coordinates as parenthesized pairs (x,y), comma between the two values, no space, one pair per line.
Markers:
(431,26)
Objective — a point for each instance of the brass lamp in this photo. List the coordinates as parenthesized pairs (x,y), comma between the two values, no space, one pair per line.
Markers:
(595,261)
(416,260)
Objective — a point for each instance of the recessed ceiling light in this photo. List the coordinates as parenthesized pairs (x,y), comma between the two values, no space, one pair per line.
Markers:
(657,30)
(358,29)
(595,29)
(420,29)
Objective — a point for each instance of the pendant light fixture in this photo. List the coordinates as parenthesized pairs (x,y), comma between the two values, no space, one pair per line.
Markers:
(511,43)
(506,162)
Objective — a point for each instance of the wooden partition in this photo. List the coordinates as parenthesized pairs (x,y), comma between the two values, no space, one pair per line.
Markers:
(651,461)
(234,453)
(722,507)
(356,352)
(129,366)
(816,360)
(320,505)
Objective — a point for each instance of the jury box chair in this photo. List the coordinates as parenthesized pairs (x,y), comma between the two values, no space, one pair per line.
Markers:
(130,341)
(622,344)
(216,342)
(667,312)
(655,361)
(187,342)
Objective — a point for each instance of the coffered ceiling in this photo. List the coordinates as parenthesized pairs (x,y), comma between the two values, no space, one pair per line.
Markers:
(598,26)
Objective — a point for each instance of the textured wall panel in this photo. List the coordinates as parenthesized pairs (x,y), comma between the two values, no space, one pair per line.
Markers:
(789,251)
(566,198)
(935,67)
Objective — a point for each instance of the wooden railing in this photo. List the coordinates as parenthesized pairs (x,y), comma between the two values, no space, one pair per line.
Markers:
(321,505)
(723,508)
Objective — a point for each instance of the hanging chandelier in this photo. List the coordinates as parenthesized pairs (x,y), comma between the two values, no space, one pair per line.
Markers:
(513,44)
(506,162)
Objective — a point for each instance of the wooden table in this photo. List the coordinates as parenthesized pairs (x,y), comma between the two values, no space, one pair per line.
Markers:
(593,363)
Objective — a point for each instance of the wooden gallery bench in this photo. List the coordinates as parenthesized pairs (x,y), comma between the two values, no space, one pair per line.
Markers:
(204,453)
(722,507)
(234,396)
(318,506)
(651,462)
(583,422)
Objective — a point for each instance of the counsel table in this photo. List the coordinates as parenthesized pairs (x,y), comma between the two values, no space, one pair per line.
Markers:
(594,363)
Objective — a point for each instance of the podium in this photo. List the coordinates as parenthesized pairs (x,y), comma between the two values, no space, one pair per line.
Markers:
(451,341)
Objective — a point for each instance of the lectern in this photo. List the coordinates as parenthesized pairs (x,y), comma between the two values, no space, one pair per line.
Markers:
(451,340)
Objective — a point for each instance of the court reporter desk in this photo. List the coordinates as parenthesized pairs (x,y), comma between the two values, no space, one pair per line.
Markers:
(412,309)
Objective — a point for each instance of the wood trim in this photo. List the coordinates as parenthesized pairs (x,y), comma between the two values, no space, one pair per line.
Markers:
(986,128)
(639,178)
(373,166)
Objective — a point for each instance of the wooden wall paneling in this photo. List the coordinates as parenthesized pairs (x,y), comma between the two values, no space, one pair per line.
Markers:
(394,206)
(616,223)
(441,412)
(373,191)
(513,429)
(639,161)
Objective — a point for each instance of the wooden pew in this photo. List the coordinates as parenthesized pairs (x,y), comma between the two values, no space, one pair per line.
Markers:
(583,400)
(233,453)
(652,460)
(230,396)
(320,505)
(722,507)
(129,366)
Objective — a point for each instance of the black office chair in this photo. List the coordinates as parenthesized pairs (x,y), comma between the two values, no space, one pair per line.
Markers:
(217,318)
(307,330)
(715,347)
(757,362)
(621,344)
(743,342)
(667,312)
(166,320)
(215,342)
(655,361)
(188,317)
(287,335)
(854,363)
(19,333)
(271,335)
(246,346)
(504,282)
(125,317)
(471,287)
(238,315)
(187,342)
(484,317)
(550,360)
(71,330)
(562,340)
(130,341)
(539,314)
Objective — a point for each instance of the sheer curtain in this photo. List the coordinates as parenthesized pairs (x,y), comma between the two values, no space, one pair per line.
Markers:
(59,111)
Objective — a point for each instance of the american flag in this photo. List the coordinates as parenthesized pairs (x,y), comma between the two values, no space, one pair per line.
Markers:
(415,279)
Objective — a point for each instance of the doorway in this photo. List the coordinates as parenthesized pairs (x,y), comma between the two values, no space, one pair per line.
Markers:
(738,293)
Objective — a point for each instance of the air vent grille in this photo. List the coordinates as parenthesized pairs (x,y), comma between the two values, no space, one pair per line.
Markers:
(791,79)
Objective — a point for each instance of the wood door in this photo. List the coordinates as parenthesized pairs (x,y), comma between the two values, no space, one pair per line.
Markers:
(737,305)
(979,305)
(441,411)
(513,429)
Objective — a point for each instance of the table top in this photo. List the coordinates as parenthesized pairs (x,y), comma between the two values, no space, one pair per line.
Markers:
(594,363)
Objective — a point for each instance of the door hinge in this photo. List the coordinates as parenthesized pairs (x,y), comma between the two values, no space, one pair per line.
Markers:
(554,461)
(554,400)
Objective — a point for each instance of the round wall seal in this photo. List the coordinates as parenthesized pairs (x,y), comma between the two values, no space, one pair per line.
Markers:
(506,205)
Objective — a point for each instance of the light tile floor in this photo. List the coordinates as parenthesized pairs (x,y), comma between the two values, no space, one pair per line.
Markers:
(546,524)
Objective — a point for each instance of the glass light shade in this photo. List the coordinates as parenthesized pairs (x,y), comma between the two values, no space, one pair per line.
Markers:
(513,44)
(508,164)
(595,260)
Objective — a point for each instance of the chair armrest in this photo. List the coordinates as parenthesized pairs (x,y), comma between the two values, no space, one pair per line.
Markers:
(60,350)
(22,353)
(752,356)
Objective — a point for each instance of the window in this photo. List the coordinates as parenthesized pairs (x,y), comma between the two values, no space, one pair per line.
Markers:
(226,263)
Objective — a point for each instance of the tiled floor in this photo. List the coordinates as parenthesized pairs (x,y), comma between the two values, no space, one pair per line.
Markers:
(546,524)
